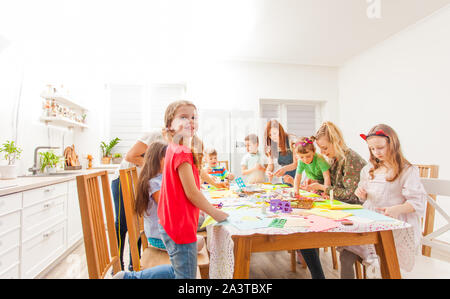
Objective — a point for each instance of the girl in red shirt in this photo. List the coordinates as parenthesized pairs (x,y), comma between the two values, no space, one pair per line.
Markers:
(180,195)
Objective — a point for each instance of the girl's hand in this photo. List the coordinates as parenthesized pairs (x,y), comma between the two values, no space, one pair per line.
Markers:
(361,193)
(288,179)
(313,187)
(219,215)
(260,167)
(270,175)
(230,177)
(222,185)
(280,172)
(393,211)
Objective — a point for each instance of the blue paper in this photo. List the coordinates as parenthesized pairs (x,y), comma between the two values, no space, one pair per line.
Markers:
(372,215)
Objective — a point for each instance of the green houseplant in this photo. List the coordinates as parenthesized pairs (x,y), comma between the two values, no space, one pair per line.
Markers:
(106,149)
(11,153)
(116,158)
(49,161)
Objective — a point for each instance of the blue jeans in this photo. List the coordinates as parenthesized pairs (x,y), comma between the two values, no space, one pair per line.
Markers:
(182,256)
(311,257)
(158,272)
(121,220)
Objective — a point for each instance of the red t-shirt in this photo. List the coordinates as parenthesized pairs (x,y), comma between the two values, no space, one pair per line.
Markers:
(176,213)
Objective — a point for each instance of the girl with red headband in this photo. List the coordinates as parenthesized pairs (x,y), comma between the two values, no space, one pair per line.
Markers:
(389,185)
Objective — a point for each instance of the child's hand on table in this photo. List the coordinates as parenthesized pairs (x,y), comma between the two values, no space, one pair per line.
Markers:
(361,193)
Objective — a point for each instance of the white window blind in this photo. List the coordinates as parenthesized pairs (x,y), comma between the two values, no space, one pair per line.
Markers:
(161,95)
(126,117)
(301,120)
(296,117)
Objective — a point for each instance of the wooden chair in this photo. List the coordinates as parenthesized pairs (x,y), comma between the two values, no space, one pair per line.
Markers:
(428,171)
(425,266)
(99,256)
(150,256)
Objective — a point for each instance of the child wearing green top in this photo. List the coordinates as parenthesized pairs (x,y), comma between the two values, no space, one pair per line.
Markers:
(315,166)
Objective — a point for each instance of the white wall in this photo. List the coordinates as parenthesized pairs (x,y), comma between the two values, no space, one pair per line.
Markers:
(404,82)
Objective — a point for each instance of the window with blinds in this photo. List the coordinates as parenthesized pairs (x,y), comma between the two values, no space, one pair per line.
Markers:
(297,117)
(135,109)
(125,117)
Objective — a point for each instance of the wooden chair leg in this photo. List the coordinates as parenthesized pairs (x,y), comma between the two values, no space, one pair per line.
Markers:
(204,271)
(334,258)
(364,271)
(358,270)
(293,261)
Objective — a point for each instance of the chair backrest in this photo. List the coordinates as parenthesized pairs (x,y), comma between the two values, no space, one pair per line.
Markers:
(224,163)
(99,256)
(437,187)
(135,223)
(428,171)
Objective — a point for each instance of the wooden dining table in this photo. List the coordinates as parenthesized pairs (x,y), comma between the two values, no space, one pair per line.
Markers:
(244,245)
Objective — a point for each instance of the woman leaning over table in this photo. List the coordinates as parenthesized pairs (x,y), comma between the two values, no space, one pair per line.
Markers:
(345,163)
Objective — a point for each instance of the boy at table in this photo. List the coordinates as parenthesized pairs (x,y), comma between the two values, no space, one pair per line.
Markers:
(253,164)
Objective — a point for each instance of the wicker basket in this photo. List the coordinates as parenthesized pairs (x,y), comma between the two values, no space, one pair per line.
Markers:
(305,203)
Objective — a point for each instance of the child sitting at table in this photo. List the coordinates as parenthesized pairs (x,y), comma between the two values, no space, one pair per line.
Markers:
(253,164)
(315,166)
(390,185)
(149,185)
(213,169)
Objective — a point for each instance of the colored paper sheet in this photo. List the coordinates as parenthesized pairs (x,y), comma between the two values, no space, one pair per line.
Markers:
(297,222)
(372,215)
(337,205)
(320,224)
(332,214)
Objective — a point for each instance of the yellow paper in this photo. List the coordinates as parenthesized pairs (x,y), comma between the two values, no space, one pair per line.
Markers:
(341,207)
(208,221)
(333,214)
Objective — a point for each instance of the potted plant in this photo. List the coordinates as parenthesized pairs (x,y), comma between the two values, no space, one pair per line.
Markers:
(49,162)
(117,158)
(12,152)
(106,150)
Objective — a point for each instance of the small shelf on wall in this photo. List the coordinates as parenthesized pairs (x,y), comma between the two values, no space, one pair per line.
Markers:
(62,122)
(65,100)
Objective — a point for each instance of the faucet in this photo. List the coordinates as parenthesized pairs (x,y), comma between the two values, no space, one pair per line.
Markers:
(35,169)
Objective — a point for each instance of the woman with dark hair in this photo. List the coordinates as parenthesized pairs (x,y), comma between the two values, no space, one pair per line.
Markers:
(278,150)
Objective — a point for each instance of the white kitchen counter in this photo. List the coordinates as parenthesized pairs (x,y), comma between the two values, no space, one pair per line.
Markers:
(26,183)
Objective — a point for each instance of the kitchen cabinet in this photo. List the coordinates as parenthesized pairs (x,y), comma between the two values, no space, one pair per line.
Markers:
(37,227)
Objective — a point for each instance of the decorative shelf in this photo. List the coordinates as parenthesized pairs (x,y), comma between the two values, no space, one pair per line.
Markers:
(62,121)
(65,100)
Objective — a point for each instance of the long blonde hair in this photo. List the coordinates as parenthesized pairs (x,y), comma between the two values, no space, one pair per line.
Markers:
(394,157)
(196,143)
(334,136)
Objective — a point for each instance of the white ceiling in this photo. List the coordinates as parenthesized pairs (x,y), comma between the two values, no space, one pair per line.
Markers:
(327,32)
(310,32)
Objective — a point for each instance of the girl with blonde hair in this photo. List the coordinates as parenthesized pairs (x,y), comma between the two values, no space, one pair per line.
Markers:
(180,197)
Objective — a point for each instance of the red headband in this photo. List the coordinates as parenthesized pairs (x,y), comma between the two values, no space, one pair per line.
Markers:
(377,133)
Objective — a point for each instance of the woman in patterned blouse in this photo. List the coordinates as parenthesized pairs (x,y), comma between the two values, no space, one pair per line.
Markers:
(345,163)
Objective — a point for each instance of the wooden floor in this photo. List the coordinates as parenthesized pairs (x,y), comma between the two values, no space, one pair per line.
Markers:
(275,264)
(263,265)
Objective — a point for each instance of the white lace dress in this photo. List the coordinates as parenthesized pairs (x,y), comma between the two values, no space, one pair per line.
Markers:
(380,194)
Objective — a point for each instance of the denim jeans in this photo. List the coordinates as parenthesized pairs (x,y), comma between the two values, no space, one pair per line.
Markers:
(158,272)
(121,221)
(182,256)
(311,257)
